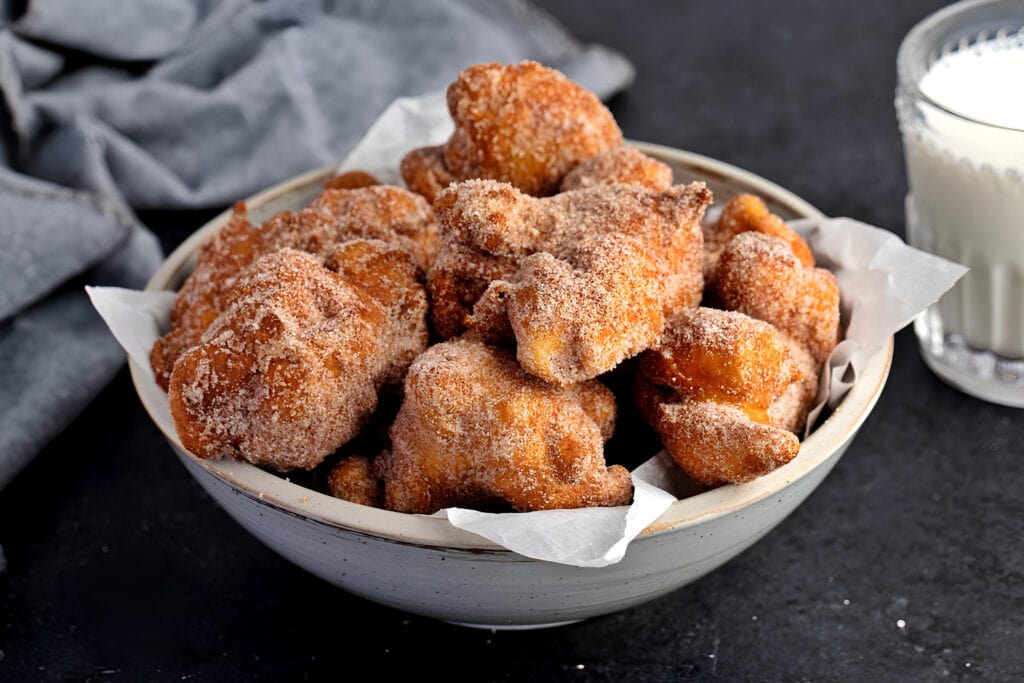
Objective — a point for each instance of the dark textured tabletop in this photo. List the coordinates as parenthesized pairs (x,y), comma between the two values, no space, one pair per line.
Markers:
(907,563)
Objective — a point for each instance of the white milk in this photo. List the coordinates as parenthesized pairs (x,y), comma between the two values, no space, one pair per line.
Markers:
(967,197)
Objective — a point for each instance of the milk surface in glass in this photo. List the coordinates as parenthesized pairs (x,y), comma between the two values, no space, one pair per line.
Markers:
(963,132)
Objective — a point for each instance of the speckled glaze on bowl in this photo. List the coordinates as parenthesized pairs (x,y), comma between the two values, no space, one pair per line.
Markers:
(426,566)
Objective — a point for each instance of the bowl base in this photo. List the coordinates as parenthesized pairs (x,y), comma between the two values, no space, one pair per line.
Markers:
(514,627)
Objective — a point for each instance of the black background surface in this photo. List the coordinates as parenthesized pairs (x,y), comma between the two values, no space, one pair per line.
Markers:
(120,567)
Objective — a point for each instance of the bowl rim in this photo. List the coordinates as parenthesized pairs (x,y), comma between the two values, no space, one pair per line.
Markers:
(278,492)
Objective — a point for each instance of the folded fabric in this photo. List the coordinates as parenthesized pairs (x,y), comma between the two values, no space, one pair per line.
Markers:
(111,106)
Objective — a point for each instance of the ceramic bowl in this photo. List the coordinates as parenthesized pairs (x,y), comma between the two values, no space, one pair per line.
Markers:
(426,566)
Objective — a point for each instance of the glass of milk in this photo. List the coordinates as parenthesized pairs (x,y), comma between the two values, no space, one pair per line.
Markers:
(960,104)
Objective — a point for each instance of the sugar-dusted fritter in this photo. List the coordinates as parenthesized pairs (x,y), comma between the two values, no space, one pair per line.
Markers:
(717,443)
(474,428)
(715,388)
(581,280)
(755,264)
(381,212)
(354,478)
(424,171)
(391,214)
(622,164)
(293,366)
(789,411)
(746,213)
(708,354)
(761,276)
(524,124)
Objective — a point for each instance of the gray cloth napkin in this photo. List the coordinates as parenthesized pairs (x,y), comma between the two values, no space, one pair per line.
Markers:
(110,105)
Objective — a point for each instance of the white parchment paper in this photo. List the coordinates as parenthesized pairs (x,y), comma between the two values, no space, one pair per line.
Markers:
(883,284)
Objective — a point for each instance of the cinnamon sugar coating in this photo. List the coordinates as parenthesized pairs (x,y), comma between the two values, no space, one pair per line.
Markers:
(475,427)
(724,356)
(355,479)
(712,390)
(383,212)
(581,280)
(789,411)
(292,368)
(716,443)
(524,124)
(761,276)
(745,213)
(622,164)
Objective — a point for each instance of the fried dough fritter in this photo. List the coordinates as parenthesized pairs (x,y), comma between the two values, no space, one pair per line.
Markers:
(292,368)
(712,389)
(382,212)
(789,411)
(475,427)
(350,180)
(746,213)
(761,276)
(622,164)
(524,124)
(391,214)
(714,355)
(755,264)
(716,443)
(581,280)
(424,172)
(354,478)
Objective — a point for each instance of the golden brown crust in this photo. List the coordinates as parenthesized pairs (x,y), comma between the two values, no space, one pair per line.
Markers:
(717,443)
(474,426)
(622,164)
(198,303)
(575,321)
(598,403)
(761,276)
(383,212)
(745,213)
(709,389)
(582,280)
(424,172)
(355,479)
(350,180)
(292,368)
(789,411)
(524,124)
(713,355)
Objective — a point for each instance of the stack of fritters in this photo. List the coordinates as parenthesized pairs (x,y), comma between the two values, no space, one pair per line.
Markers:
(549,252)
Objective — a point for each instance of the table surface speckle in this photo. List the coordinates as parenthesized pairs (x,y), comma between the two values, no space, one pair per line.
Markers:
(907,563)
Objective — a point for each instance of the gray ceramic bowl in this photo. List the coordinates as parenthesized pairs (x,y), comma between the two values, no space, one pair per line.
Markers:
(427,566)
